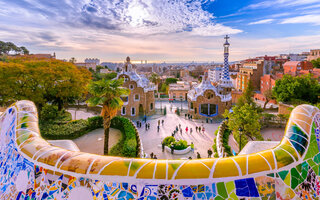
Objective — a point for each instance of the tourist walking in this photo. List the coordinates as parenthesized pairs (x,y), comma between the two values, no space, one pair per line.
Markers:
(196,129)
(192,147)
(209,153)
(163,145)
(198,155)
(162,122)
(151,155)
(155,157)
(181,131)
(158,127)
(158,122)
(146,126)
(203,129)
(172,148)
(186,129)
(190,130)
(179,126)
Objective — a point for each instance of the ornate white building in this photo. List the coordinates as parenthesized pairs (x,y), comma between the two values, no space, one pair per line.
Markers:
(207,100)
(141,99)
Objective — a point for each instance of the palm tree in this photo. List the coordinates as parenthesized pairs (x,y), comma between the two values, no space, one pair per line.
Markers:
(108,94)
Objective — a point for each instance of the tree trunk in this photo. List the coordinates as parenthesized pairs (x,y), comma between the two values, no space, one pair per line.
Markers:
(265,104)
(106,141)
(106,126)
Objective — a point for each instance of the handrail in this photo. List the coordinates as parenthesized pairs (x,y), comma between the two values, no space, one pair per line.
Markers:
(298,145)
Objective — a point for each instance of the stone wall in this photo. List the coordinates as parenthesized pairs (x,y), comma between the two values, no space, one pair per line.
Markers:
(284,109)
(33,169)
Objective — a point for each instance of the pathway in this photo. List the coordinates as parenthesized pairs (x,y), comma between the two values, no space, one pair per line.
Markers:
(93,141)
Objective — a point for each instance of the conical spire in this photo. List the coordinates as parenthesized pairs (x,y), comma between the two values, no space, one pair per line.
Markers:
(225,80)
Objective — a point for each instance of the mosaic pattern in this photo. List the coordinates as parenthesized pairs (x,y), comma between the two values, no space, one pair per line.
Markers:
(30,168)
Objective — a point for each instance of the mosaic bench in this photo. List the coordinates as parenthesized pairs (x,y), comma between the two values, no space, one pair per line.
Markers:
(30,168)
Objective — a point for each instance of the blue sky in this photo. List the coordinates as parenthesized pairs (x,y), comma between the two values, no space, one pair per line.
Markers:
(161,30)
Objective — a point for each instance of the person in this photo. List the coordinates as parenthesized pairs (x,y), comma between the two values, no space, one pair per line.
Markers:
(163,145)
(151,155)
(198,155)
(186,129)
(190,130)
(181,131)
(192,147)
(162,122)
(158,128)
(172,148)
(159,122)
(211,121)
(155,157)
(207,120)
(190,158)
(177,128)
(138,124)
(146,126)
(203,129)
(185,116)
(197,129)
(209,153)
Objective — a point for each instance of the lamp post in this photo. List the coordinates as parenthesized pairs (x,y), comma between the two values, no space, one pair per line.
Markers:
(181,103)
(240,133)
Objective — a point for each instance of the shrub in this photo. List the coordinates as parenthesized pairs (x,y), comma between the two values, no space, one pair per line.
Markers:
(168,140)
(49,112)
(95,122)
(71,130)
(128,143)
(225,142)
(180,145)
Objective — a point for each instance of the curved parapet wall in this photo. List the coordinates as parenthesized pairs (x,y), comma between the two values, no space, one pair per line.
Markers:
(30,168)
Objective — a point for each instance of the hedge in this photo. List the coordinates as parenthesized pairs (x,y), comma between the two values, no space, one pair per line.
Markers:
(177,145)
(70,130)
(127,146)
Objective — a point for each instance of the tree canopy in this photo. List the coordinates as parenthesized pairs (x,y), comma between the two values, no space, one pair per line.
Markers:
(171,80)
(9,47)
(41,81)
(297,89)
(316,63)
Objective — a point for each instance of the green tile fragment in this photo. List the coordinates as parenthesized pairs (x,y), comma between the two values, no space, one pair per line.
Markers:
(219,198)
(270,175)
(222,190)
(305,168)
(296,179)
(230,186)
(316,158)
(234,196)
(283,174)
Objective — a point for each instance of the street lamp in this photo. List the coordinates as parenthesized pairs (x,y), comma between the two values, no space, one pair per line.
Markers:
(240,133)
(181,103)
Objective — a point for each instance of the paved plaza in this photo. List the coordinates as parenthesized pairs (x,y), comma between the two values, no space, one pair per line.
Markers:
(151,139)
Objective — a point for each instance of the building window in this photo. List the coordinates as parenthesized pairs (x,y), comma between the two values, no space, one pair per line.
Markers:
(124,98)
(208,109)
(123,111)
(191,105)
(131,87)
(195,110)
(133,111)
(136,97)
(151,106)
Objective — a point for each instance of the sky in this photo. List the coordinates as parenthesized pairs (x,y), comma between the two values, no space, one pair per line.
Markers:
(161,30)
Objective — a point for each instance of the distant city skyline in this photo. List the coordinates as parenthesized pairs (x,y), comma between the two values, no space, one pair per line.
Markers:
(159,30)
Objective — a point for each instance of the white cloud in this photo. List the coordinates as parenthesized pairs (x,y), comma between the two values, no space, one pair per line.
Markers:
(310,19)
(264,21)
(280,3)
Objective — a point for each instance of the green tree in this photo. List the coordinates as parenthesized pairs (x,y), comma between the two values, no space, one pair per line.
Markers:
(297,89)
(316,63)
(244,118)
(247,96)
(268,95)
(107,93)
(41,81)
(171,80)
(73,60)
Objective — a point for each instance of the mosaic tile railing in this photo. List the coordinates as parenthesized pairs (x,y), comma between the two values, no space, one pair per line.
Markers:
(32,169)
